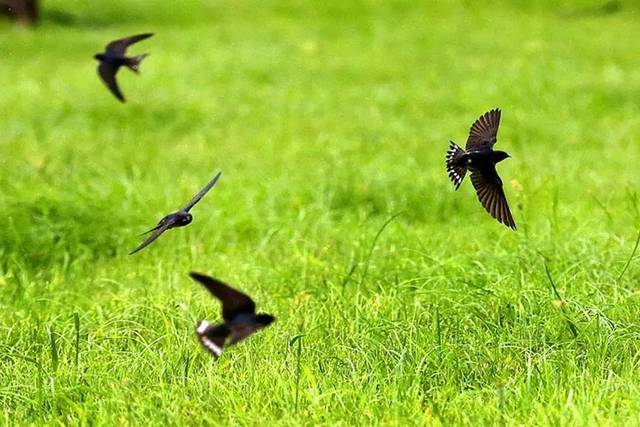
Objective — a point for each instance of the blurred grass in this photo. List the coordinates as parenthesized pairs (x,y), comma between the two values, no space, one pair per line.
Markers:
(326,119)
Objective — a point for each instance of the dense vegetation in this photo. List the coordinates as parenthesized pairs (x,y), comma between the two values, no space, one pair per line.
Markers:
(330,121)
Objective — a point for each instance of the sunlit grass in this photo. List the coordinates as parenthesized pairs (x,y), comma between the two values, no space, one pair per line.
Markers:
(328,121)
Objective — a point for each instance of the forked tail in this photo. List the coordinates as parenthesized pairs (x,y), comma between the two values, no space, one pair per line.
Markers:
(455,170)
(134,62)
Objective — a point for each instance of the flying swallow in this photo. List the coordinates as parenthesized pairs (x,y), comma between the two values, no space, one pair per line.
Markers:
(238,312)
(176,219)
(480,160)
(114,57)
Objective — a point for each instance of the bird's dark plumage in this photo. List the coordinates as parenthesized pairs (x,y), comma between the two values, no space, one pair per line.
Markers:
(176,219)
(480,160)
(238,312)
(483,133)
(114,57)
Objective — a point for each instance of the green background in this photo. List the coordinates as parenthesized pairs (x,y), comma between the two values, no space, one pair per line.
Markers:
(327,119)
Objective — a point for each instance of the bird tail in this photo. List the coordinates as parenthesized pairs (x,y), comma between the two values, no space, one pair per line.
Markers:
(212,337)
(149,231)
(134,62)
(455,170)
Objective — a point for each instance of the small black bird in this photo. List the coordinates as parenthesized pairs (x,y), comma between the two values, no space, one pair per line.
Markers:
(114,57)
(238,312)
(176,219)
(480,159)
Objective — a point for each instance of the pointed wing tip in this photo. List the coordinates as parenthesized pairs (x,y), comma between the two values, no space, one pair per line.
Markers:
(511,224)
(138,249)
(197,276)
(216,177)
(139,37)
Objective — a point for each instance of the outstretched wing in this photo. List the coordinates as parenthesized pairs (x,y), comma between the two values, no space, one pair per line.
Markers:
(202,192)
(156,233)
(233,302)
(119,47)
(488,187)
(107,73)
(484,131)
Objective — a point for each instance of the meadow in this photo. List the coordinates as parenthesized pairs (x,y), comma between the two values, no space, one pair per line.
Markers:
(398,301)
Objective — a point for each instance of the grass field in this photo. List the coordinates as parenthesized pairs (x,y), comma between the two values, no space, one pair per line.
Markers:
(330,121)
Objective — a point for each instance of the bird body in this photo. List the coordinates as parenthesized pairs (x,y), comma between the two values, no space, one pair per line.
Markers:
(238,312)
(114,57)
(176,219)
(479,159)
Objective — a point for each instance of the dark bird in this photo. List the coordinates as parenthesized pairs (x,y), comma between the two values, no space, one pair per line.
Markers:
(114,57)
(238,312)
(480,159)
(176,219)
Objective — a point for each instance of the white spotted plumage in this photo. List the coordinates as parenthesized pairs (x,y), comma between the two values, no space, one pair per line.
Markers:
(456,172)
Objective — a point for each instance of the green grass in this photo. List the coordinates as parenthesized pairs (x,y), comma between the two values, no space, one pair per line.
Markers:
(327,119)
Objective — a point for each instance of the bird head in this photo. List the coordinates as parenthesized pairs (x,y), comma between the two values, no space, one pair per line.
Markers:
(499,156)
(185,219)
(264,319)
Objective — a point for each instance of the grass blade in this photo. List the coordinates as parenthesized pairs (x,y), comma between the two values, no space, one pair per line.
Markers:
(76,326)
(373,245)
(572,327)
(54,349)
(633,254)
(297,339)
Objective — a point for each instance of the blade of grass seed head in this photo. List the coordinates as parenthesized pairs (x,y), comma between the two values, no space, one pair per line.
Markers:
(633,254)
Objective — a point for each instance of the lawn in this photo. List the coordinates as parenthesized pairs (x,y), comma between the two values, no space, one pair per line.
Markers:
(398,301)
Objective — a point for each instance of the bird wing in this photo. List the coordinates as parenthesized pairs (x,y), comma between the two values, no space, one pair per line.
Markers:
(484,131)
(488,187)
(119,47)
(107,73)
(156,233)
(202,192)
(233,302)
